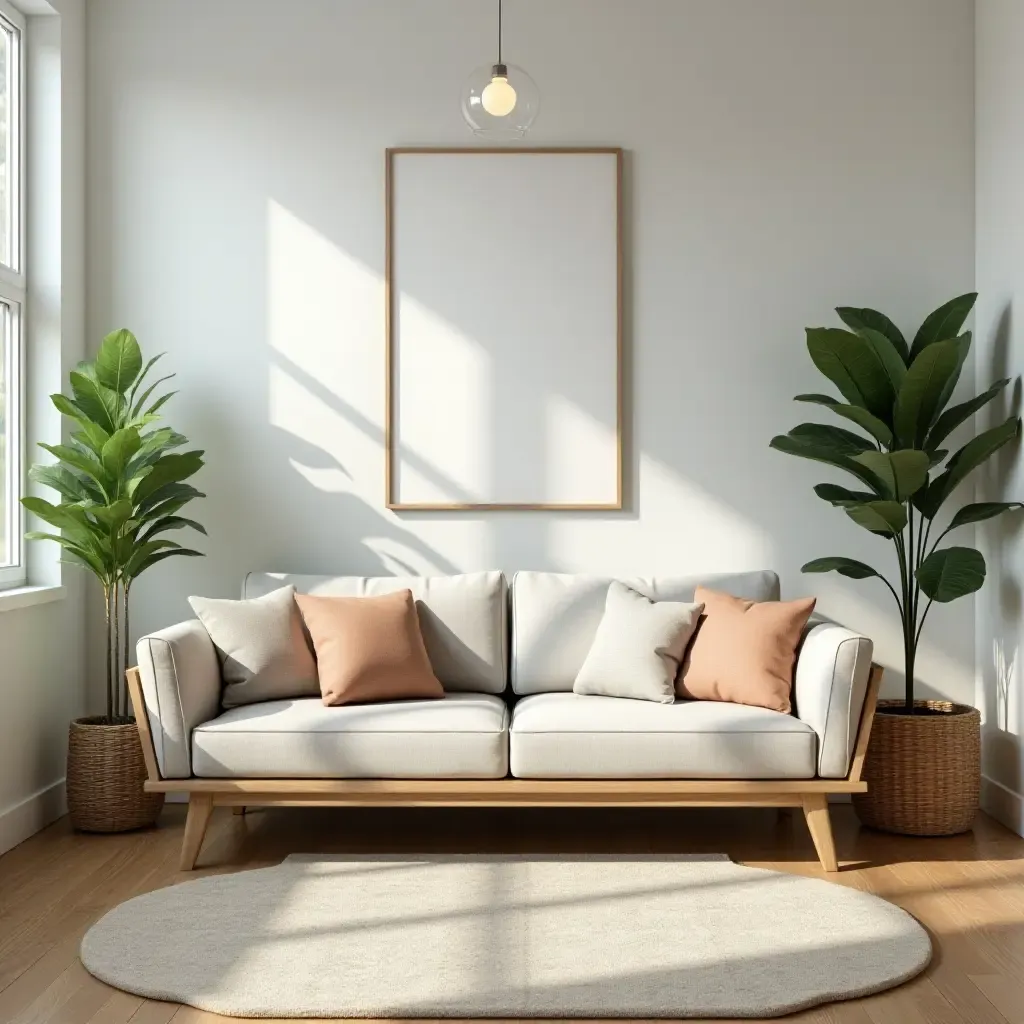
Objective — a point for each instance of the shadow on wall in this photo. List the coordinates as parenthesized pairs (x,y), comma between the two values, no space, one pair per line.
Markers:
(1003,605)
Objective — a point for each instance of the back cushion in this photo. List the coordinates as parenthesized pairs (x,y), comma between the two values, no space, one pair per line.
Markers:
(555,617)
(463,618)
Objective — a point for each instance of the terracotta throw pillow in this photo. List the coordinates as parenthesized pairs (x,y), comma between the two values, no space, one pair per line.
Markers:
(744,651)
(368,649)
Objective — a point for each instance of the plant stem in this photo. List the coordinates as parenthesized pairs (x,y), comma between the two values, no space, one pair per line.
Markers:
(117,648)
(910,621)
(110,667)
(127,649)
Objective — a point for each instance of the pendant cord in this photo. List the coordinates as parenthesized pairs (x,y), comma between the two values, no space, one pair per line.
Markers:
(499,31)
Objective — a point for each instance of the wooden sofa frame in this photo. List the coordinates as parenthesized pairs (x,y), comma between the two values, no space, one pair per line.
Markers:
(811,794)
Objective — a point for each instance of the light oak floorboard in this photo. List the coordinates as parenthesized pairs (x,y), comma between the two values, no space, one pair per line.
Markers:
(967,890)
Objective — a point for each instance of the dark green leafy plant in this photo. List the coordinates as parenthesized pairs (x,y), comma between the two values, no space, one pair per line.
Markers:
(897,394)
(121,484)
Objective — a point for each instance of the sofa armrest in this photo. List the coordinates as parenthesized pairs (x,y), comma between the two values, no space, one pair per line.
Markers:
(832,671)
(181,686)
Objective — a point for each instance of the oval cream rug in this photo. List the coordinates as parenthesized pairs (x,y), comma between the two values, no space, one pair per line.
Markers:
(505,936)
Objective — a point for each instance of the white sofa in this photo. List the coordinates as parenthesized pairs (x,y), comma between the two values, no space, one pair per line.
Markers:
(510,730)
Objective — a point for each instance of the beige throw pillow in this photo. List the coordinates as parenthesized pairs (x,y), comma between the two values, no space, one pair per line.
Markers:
(369,649)
(744,651)
(263,652)
(638,647)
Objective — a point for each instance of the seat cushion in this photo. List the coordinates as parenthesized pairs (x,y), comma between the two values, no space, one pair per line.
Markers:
(463,618)
(461,736)
(555,617)
(573,736)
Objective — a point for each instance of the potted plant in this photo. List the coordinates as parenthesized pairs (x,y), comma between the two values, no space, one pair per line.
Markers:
(121,485)
(923,762)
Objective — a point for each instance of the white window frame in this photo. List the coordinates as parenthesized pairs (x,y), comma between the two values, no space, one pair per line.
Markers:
(12,294)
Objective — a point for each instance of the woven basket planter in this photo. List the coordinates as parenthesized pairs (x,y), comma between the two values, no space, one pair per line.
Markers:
(923,771)
(106,771)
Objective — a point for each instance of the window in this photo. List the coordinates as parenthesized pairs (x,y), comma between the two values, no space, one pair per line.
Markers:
(12,296)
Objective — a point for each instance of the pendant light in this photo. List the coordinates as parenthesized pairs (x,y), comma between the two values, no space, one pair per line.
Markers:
(500,101)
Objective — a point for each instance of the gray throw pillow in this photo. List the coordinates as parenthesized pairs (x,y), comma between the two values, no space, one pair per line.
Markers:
(638,647)
(263,651)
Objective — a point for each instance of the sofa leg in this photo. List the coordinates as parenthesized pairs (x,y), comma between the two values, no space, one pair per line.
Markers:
(820,826)
(200,807)
(238,810)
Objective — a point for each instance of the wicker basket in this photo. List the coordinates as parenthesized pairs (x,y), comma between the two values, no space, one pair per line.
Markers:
(106,771)
(923,771)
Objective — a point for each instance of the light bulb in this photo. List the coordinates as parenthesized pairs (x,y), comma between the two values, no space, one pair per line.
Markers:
(498,97)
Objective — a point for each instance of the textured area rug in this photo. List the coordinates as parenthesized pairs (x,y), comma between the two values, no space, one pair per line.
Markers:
(505,936)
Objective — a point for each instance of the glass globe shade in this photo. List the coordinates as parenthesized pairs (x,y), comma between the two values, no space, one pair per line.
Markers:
(500,101)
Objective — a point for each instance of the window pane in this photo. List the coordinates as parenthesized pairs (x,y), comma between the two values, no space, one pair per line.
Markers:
(7,128)
(9,552)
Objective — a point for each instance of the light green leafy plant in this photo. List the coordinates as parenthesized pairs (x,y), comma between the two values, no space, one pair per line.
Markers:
(121,484)
(897,394)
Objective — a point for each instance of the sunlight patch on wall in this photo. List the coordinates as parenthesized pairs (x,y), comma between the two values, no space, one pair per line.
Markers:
(684,531)
(457,444)
(324,310)
(580,459)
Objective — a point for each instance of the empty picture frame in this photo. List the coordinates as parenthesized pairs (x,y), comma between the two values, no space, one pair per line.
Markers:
(503,273)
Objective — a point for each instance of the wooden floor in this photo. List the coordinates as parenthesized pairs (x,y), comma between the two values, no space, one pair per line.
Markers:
(968,891)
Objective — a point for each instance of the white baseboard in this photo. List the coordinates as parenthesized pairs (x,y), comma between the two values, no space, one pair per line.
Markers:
(30,815)
(1003,804)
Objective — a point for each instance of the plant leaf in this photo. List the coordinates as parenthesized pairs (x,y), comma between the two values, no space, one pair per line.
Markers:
(943,323)
(140,565)
(858,319)
(167,499)
(159,403)
(963,343)
(137,406)
(952,418)
(872,424)
(841,496)
(72,519)
(168,469)
(902,472)
(892,362)
(118,452)
(93,435)
(100,404)
(980,511)
(91,467)
(949,573)
(142,376)
(67,484)
(835,439)
(794,446)
(968,458)
(917,404)
(882,517)
(118,361)
(855,367)
(849,567)
(165,523)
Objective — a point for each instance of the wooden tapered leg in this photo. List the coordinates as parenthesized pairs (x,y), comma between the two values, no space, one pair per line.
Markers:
(238,810)
(820,826)
(200,807)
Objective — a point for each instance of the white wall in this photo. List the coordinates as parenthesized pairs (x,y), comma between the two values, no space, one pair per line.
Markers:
(1000,353)
(43,646)
(784,157)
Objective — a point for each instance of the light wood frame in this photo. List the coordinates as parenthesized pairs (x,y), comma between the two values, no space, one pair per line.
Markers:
(809,794)
(389,325)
